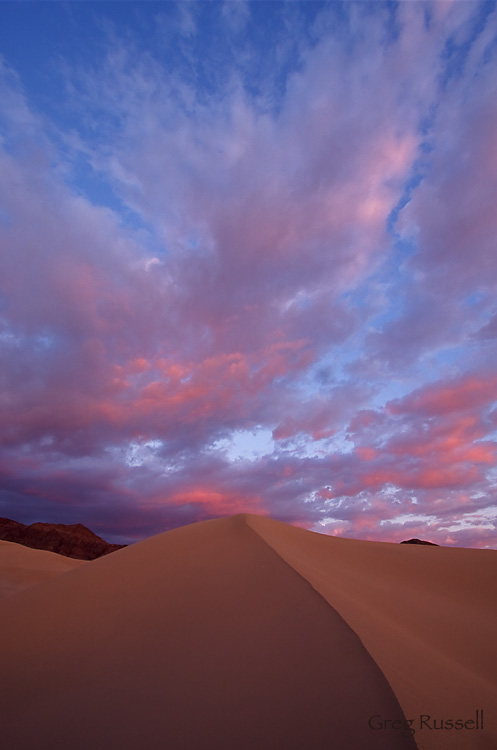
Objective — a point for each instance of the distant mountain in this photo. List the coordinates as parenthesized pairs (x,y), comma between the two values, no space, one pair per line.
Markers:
(420,541)
(71,540)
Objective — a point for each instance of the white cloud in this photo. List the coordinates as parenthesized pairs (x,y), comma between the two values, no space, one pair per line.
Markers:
(246,445)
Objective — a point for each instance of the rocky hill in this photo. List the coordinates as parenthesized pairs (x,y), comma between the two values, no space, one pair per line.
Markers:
(71,540)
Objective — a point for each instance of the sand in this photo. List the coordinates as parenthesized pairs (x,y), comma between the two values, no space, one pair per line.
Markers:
(245,633)
(22,567)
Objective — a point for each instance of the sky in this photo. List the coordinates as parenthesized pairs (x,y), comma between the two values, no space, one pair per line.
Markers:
(248,264)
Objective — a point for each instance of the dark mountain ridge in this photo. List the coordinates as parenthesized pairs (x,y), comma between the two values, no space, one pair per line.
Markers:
(71,540)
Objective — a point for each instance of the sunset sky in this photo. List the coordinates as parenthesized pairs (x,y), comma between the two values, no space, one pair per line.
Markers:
(248,263)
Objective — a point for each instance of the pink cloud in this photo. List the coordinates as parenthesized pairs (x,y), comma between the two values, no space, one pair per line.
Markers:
(467,393)
(215,502)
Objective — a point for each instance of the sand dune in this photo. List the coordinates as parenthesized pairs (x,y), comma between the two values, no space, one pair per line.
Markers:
(245,633)
(22,567)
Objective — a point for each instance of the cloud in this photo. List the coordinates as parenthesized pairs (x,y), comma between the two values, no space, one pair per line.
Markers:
(186,259)
(451,221)
(464,394)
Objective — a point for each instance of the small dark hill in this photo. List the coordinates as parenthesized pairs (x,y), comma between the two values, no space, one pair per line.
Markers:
(420,541)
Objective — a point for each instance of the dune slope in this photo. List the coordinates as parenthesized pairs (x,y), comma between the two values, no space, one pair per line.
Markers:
(22,567)
(202,637)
